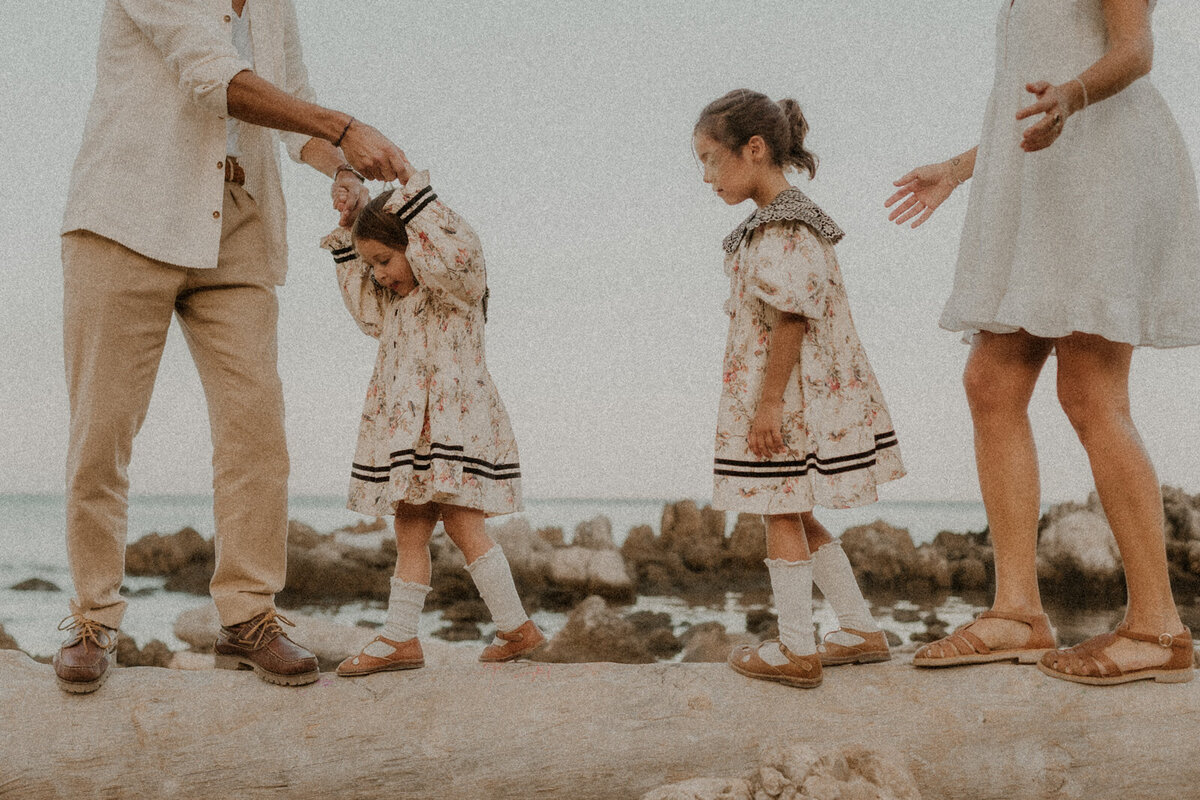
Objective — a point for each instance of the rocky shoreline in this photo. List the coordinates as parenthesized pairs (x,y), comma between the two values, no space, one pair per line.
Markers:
(592,577)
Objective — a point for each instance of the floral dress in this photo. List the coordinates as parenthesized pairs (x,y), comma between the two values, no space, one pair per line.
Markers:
(839,437)
(433,427)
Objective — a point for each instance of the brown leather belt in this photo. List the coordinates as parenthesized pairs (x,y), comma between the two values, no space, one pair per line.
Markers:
(234,172)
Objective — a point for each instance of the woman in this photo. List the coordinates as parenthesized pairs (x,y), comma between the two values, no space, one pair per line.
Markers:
(1082,238)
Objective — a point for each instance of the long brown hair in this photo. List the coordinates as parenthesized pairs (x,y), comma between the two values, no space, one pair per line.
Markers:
(736,117)
(377,225)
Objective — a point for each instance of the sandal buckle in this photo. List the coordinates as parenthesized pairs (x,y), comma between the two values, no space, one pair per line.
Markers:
(1166,640)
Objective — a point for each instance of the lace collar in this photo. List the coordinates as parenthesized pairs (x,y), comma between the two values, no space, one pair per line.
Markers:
(789,204)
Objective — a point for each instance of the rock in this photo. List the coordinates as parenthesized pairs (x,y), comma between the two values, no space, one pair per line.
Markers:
(365,526)
(329,641)
(800,772)
(906,615)
(681,523)
(656,569)
(145,591)
(594,632)
(704,789)
(552,536)
(189,660)
(34,585)
(709,642)
(1182,514)
(1078,559)
(467,611)
(658,631)
(761,622)
(459,632)
(595,534)
(893,639)
(321,569)
(156,554)
(698,537)
(7,642)
(584,571)
(882,556)
(970,574)
(748,542)
(154,654)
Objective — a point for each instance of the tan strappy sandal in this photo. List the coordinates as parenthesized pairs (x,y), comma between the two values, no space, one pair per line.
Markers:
(967,648)
(1088,663)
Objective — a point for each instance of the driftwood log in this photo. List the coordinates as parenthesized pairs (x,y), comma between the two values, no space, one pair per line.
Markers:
(581,731)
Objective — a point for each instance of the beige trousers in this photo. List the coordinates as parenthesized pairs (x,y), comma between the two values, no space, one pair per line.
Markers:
(117,309)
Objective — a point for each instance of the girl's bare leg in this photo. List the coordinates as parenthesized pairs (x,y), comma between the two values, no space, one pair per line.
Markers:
(465,527)
(785,537)
(414,526)
(999,378)
(1093,388)
(815,533)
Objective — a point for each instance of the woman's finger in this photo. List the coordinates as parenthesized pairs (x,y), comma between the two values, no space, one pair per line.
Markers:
(926,214)
(1040,107)
(900,193)
(906,178)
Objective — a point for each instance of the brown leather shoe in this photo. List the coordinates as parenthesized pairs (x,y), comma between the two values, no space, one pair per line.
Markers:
(404,655)
(260,644)
(801,671)
(871,649)
(518,642)
(87,656)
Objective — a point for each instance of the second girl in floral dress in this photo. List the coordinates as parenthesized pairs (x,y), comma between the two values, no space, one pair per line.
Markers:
(802,421)
(434,440)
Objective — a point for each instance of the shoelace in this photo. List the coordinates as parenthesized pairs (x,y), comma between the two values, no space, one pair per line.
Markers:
(87,630)
(263,628)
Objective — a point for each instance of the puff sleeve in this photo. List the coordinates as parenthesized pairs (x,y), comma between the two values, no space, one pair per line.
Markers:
(443,251)
(788,268)
(365,300)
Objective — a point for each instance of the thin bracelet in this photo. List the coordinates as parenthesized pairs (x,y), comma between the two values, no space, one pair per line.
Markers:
(954,162)
(338,143)
(1083,86)
(343,167)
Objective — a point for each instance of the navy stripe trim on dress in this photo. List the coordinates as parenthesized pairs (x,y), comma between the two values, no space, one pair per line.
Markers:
(421,462)
(412,214)
(343,255)
(798,468)
(402,212)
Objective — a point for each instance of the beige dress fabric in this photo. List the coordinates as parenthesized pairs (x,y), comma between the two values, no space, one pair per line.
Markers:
(839,436)
(433,426)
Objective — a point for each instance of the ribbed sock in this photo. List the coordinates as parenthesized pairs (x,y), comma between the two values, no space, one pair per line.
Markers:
(791,583)
(493,577)
(833,575)
(404,610)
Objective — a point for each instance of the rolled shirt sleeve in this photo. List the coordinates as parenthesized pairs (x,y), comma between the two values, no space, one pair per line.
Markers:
(296,77)
(193,46)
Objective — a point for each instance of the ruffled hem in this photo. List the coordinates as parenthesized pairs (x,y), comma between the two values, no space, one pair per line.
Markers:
(1052,330)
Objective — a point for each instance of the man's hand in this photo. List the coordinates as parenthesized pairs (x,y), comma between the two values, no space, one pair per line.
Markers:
(373,154)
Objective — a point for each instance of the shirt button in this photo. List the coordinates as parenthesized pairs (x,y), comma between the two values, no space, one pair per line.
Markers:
(220,165)
(228,18)
(216,215)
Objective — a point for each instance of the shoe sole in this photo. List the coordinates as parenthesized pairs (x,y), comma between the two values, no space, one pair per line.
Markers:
(799,683)
(1020,656)
(394,667)
(238,663)
(80,687)
(1157,675)
(865,658)
(514,656)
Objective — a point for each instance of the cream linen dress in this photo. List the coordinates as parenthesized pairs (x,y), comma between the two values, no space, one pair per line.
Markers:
(839,436)
(433,426)
(1100,232)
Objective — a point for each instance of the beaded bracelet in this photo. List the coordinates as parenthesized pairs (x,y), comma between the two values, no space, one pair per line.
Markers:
(338,143)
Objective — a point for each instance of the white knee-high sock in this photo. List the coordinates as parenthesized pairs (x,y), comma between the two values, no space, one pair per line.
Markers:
(834,577)
(493,578)
(404,610)
(791,583)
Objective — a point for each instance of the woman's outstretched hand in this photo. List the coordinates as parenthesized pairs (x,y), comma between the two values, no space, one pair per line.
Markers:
(921,192)
(1054,105)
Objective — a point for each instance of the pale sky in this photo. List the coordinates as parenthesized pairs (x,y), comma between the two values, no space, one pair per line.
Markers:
(562,132)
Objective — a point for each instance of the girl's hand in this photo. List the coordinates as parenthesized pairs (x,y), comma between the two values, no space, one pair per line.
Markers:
(922,191)
(349,196)
(1054,103)
(766,430)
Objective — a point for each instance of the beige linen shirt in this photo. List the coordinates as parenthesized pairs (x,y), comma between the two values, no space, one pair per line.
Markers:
(150,172)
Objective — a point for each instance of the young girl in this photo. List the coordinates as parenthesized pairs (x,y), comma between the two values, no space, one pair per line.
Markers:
(802,420)
(434,440)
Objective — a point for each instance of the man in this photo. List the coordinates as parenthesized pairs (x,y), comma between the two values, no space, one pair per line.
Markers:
(176,209)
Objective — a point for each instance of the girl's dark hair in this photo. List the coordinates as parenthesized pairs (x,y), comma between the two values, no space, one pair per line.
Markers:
(733,119)
(378,225)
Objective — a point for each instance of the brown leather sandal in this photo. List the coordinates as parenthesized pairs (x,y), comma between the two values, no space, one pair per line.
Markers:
(404,655)
(968,648)
(1088,663)
(872,649)
(800,671)
(518,643)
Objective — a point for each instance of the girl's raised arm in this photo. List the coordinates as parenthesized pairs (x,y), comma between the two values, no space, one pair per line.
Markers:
(443,251)
(364,298)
